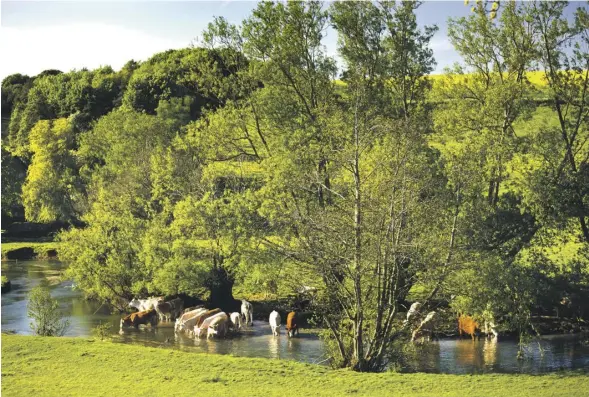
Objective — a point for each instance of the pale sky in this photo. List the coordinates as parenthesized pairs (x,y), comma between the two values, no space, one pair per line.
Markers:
(66,35)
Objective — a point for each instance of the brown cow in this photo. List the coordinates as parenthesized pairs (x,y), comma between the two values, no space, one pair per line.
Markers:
(468,325)
(292,325)
(135,319)
(206,315)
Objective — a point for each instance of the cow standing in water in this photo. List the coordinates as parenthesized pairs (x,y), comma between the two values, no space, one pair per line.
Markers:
(188,320)
(247,311)
(292,324)
(204,325)
(145,304)
(469,326)
(219,326)
(274,321)
(413,313)
(426,327)
(146,317)
(168,311)
(235,321)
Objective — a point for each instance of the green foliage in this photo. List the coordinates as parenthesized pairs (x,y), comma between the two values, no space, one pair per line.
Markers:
(90,94)
(102,331)
(51,189)
(14,92)
(523,241)
(45,312)
(195,73)
(103,256)
(13,176)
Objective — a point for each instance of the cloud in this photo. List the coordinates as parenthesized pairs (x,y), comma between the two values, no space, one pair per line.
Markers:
(30,50)
(441,44)
(444,53)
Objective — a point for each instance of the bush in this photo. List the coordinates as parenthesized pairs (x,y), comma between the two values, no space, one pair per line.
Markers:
(44,311)
(102,331)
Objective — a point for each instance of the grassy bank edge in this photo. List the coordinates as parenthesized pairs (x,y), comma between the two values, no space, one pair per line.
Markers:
(81,366)
(31,249)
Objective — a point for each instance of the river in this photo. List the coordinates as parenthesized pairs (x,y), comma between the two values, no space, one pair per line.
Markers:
(553,353)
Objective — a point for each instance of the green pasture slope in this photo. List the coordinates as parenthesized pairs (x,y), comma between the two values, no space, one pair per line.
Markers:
(36,366)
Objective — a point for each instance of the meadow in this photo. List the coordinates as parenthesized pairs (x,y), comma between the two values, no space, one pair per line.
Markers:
(45,366)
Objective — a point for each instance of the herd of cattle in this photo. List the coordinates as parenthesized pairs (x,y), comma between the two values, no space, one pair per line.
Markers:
(196,321)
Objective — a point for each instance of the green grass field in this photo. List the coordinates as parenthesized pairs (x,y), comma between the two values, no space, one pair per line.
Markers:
(84,367)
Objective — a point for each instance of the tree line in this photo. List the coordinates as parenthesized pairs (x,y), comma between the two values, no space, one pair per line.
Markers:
(248,162)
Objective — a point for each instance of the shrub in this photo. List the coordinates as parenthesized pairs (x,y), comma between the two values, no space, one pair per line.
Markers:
(44,311)
(102,331)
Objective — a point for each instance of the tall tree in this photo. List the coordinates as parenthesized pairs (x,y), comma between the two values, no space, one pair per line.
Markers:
(52,185)
(567,76)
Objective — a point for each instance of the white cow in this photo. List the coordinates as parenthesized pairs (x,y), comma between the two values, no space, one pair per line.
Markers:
(426,327)
(235,321)
(247,311)
(145,304)
(218,326)
(205,324)
(413,312)
(188,320)
(275,323)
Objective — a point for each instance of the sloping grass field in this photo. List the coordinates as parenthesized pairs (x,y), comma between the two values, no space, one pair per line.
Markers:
(36,366)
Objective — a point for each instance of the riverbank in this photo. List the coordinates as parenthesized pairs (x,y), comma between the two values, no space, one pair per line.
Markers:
(80,366)
(26,250)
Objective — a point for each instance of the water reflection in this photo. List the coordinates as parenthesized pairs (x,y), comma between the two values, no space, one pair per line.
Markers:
(446,356)
(469,353)
(490,353)
(273,351)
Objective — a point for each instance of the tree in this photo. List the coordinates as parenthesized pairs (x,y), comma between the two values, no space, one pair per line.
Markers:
(565,176)
(45,313)
(475,112)
(52,187)
(194,73)
(117,156)
(14,91)
(13,176)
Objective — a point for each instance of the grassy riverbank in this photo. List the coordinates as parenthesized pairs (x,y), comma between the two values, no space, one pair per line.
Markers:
(77,366)
(25,250)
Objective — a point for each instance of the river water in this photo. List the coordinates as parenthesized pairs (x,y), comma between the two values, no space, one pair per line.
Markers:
(552,353)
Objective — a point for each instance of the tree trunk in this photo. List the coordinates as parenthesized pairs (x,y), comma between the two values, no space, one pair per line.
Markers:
(221,287)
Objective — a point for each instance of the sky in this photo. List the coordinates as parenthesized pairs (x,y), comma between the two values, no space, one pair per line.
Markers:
(66,35)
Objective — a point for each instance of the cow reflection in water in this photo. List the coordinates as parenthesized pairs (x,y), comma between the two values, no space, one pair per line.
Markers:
(490,352)
(274,347)
(212,346)
(469,354)
(293,346)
